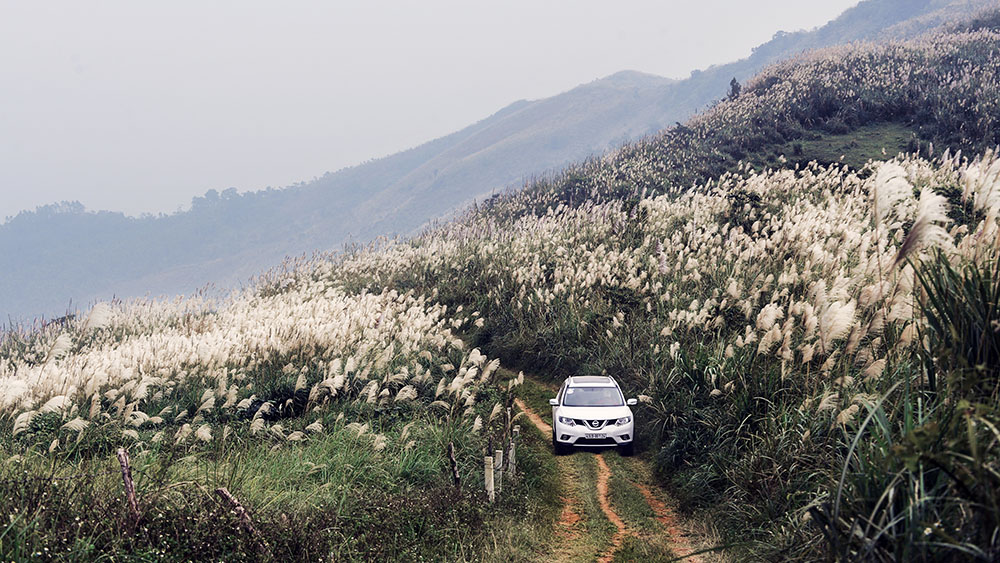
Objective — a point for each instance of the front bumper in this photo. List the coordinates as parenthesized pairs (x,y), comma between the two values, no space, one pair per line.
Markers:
(581,435)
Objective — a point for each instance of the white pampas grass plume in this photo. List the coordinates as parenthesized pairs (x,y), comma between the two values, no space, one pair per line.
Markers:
(830,362)
(477,425)
(476,357)
(76,425)
(136,418)
(204,433)
(827,402)
(58,403)
(645,399)
(98,318)
(62,344)
(95,406)
(296,436)
(358,428)
(440,387)
(130,433)
(208,405)
(807,352)
(494,412)
(256,426)
(407,393)
(157,438)
(315,428)
(835,322)
(23,422)
(847,414)
(888,189)
(768,315)
(406,431)
(928,229)
(380,442)
(183,433)
(54,445)
(441,404)
(489,369)
(875,370)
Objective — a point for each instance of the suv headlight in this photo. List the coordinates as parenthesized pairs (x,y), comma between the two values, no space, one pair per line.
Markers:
(567,421)
(623,421)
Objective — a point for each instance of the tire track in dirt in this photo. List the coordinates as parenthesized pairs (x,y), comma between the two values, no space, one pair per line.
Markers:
(568,526)
(677,538)
(570,520)
(569,517)
(603,477)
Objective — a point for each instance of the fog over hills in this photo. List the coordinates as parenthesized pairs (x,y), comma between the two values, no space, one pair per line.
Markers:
(62,253)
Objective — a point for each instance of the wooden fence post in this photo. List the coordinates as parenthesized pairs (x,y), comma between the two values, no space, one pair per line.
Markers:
(512,456)
(245,522)
(498,460)
(454,466)
(489,478)
(133,501)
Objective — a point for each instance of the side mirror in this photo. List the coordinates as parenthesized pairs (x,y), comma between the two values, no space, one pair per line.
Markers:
(554,402)
(632,402)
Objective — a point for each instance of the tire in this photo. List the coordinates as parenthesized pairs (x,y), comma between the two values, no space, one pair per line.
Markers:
(627,450)
(557,447)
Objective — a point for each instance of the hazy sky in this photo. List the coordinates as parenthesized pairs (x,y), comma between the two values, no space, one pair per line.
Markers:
(138,106)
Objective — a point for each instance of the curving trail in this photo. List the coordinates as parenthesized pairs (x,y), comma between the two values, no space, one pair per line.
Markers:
(678,542)
(572,521)
(533,417)
(603,476)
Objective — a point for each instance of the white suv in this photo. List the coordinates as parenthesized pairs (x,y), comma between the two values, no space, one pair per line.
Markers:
(592,411)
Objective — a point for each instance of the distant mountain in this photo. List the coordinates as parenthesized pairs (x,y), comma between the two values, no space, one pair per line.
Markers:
(62,252)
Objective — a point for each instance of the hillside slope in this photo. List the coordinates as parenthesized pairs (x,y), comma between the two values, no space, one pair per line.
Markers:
(815,349)
(61,253)
(816,346)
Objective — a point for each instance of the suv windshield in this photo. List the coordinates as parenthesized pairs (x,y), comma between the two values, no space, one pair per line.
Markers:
(592,397)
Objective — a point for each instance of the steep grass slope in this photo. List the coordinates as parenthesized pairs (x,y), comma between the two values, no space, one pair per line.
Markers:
(815,346)
(795,330)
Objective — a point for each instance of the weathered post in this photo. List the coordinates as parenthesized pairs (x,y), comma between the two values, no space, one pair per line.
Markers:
(512,456)
(130,496)
(489,478)
(245,522)
(454,466)
(498,460)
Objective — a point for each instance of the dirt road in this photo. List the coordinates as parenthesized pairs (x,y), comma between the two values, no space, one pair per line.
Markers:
(612,508)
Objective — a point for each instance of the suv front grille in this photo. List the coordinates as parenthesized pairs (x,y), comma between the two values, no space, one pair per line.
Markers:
(594,424)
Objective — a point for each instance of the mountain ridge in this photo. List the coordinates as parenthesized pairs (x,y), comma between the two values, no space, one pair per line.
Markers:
(226,238)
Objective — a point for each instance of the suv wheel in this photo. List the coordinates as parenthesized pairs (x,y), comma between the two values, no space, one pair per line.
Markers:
(557,447)
(627,449)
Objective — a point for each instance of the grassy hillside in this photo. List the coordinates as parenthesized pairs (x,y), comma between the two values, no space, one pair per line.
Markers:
(773,319)
(815,347)
(329,414)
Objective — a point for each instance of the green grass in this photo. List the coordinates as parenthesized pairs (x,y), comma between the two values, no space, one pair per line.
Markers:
(330,497)
(854,148)
(536,395)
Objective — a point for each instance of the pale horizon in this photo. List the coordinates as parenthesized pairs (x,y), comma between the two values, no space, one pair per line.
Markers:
(137,109)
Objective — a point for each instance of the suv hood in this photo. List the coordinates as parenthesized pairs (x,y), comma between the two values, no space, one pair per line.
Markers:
(595,413)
